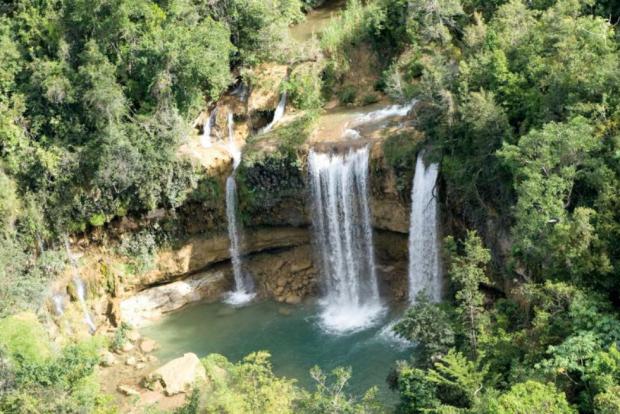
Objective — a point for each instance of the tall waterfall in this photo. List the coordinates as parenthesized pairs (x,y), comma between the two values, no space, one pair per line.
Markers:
(80,289)
(424,246)
(343,235)
(244,285)
(205,140)
(278,114)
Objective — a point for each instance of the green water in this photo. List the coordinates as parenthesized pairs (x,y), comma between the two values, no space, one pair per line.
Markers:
(290,333)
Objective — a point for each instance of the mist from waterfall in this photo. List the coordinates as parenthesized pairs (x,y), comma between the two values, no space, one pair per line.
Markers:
(80,289)
(343,237)
(278,114)
(244,285)
(205,140)
(424,245)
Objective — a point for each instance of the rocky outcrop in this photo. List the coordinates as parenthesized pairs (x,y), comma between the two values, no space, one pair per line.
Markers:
(150,304)
(266,80)
(199,252)
(286,276)
(178,375)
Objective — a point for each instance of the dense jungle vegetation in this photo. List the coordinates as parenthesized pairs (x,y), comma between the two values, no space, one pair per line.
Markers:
(519,100)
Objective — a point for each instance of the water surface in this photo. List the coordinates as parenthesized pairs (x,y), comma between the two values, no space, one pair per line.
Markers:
(290,333)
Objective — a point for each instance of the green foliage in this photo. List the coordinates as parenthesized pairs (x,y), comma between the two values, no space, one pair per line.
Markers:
(140,248)
(429,325)
(467,272)
(400,152)
(42,381)
(246,387)
(304,87)
(330,396)
(417,394)
(460,381)
(531,397)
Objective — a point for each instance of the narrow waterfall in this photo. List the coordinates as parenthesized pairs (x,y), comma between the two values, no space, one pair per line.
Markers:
(205,140)
(244,285)
(278,114)
(80,289)
(59,305)
(343,236)
(424,246)
(234,151)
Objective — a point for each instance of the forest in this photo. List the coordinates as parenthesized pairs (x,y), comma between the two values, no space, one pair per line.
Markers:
(517,101)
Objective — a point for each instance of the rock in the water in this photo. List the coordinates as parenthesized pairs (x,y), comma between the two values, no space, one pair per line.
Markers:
(147,345)
(127,390)
(179,374)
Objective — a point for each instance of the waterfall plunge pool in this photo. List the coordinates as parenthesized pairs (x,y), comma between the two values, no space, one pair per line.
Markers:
(293,336)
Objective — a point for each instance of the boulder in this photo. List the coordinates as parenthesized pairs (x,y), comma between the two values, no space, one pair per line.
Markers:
(107,359)
(147,345)
(292,299)
(133,336)
(127,347)
(113,312)
(150,304)
(128,391)
(131,361)
(179,374)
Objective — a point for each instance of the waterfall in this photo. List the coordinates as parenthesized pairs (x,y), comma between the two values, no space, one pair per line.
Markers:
(278,114)
(424,246)
(59,305)
(80,289)
(343,236)
(205,140)
(235,152)
(387,112)
(244,285)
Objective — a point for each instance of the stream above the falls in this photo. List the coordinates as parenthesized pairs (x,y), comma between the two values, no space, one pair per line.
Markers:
(291,334)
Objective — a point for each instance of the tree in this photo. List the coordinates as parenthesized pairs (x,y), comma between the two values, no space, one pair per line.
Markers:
(467,271)
(428,325)
(547,163)
(330,396)
(530,397)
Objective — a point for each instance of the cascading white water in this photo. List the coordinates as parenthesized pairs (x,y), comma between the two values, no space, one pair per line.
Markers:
(343,236)
(244,285)
(278,114)
(80,289)
(387,112)
(424,248)
(59,305)
(234,151)
(205,140)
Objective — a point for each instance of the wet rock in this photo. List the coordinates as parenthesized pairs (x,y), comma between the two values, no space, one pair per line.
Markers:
(292,299)
(179,374)
(150,304)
